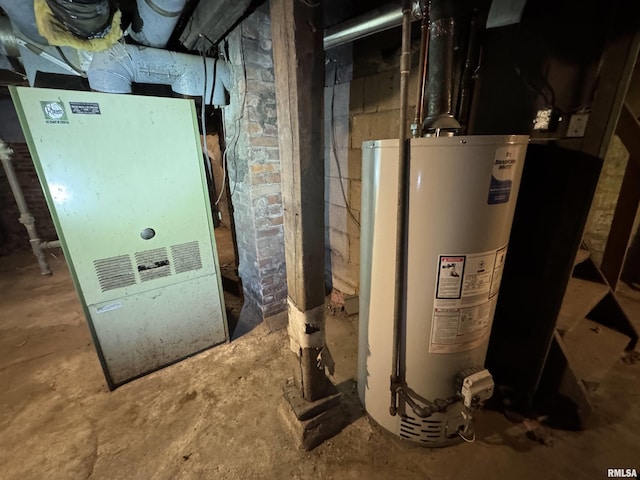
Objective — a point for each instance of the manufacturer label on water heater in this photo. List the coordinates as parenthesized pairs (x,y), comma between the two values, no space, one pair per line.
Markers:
(465,298)
(504,167)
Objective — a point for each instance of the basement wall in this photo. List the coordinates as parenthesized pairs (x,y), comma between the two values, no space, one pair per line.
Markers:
(606,196)
(251,138)
(365,94)
(605,199)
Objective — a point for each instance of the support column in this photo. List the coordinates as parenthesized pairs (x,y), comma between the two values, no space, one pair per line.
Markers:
(313,407)
(299,73)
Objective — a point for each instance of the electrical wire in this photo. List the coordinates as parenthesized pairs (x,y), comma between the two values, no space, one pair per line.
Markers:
(236,133)
(334,148)
(68,62)
(204,146)
(468,440)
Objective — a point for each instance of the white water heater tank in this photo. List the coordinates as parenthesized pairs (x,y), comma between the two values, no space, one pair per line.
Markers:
(462,194)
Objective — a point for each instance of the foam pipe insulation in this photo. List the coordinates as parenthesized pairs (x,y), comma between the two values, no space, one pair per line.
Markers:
(115,69)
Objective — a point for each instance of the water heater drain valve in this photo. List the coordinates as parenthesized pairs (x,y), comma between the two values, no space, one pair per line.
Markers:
(476,388)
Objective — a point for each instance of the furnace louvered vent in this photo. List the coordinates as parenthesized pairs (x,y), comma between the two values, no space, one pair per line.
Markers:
(420,429)
(153,264)
(186,257)
(114,272)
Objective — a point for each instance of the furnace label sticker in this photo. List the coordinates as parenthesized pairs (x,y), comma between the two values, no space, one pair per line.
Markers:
(85,108)
(450,274)
(502,176)
(109,307)
(54,112)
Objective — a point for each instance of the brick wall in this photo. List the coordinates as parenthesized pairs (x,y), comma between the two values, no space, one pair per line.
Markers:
(605,198)
(13,235)
(251,137)
(366,106)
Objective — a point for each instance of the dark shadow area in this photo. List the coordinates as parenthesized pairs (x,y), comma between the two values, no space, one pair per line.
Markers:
(631,271)
(552,208)
(350,400)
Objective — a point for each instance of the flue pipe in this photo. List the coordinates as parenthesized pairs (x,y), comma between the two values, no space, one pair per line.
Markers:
(441,65)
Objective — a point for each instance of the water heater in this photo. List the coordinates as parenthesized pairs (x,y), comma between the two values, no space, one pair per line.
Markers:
(462,192)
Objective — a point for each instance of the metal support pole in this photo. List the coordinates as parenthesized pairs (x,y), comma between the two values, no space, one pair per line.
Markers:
(37,246)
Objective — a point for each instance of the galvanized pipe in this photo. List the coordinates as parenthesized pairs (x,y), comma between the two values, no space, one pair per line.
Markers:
(25,216)
(403,167)
(416,127)
(374,21)
(474,46)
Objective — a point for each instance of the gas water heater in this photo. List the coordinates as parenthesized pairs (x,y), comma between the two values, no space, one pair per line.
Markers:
(462,194)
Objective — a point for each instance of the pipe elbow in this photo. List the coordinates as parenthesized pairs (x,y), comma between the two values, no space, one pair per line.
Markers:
(111,71)
(222,83)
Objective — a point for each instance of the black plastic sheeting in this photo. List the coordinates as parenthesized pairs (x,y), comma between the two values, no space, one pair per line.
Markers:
(86,19)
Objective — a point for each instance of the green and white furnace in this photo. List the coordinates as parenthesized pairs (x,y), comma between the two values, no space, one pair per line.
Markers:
(124,180)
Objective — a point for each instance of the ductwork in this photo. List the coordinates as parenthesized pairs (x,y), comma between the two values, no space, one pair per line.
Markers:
(114,70)
(374,21)
(8,41)
(23,17)
(158,18)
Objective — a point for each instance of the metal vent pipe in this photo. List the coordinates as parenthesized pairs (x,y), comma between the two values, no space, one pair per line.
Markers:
(375,21)
(441,69)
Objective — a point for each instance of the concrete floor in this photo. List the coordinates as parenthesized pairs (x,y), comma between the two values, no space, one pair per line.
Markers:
(216,415)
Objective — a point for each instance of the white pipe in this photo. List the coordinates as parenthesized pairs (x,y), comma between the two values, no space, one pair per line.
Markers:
(37,245)
(115,69)
(159,18)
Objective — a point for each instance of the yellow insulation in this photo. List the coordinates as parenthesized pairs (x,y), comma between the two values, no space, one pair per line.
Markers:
(58,35)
